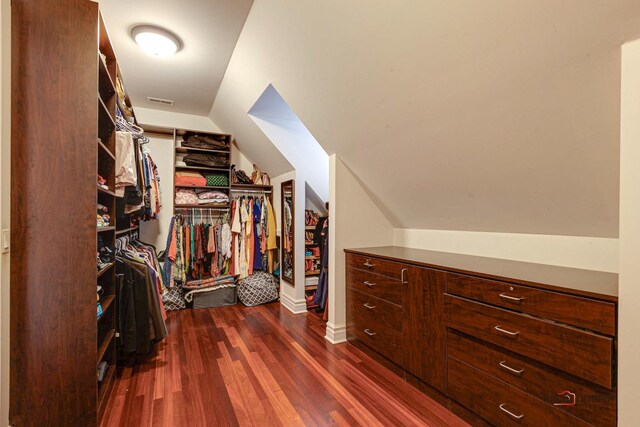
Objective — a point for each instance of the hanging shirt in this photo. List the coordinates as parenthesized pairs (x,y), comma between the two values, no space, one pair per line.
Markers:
(257,257)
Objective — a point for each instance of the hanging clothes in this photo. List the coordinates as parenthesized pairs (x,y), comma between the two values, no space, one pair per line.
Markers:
(141,313)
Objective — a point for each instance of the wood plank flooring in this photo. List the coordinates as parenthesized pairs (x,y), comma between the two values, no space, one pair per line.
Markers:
(242,366)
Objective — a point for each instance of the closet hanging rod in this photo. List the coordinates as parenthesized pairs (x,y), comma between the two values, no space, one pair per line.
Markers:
(233,190)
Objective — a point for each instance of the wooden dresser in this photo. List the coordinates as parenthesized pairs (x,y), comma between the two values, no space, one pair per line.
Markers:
(515,343)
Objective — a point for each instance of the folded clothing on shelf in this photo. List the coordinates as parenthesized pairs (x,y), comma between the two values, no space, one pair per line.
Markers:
(205,142)
(102,220)
(216,180)
(207,160)
(186,197)
(102,183)
(190,178)
(215,197)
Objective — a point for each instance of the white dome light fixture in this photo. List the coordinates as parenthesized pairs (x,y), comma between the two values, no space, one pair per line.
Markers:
(156,41)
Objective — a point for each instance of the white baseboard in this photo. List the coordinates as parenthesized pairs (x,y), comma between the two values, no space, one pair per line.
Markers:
(296,307)
(336,334)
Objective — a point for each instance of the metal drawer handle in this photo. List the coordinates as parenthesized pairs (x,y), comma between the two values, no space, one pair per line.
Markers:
(368,264)
(369,284)
(369,306)
(368,332)
(504,331)
(504,365)
(503,409)
(402,272)
(510,298)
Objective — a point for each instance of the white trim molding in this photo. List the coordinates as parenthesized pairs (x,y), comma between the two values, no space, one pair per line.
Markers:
(336,334)
(294,306)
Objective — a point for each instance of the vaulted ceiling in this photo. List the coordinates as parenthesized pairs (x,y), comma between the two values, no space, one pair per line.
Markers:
(491,115)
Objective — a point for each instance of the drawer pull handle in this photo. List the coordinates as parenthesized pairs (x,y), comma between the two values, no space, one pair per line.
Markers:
(402,279)
(368,264)
(511,414)
(368,332)
(510,298)
(504,331)
(369,284)
(504,365)
(369,306)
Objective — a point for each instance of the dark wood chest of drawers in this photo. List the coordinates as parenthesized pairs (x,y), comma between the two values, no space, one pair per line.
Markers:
(512,351)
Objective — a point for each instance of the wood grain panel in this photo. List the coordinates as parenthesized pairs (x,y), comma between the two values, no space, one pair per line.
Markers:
(599,316)
(576,281)
(380,266)
(377,310)
(375,284)
(485,395)
(596,405)
(53,200)
(424,332)
(584,354)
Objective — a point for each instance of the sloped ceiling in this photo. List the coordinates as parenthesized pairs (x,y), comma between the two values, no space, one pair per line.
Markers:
(493,115)
(209,30)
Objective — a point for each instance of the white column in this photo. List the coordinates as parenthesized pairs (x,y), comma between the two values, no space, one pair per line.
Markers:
(629,285)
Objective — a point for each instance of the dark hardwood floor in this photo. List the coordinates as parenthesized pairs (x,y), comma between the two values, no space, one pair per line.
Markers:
(262,366)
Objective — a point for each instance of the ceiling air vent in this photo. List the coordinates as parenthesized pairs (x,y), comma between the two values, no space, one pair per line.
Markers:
(160,100)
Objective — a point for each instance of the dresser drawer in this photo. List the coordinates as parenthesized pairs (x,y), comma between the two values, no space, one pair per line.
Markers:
(584,354)
(500,403)
(596,405)
(376,334)
(379,266)
(374,310)
(586,313)
(375,284)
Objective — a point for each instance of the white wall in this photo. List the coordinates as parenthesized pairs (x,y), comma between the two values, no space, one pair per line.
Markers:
(5,186)
(629,280)
(148,116)
(579,252)
(155,232)
(354,221)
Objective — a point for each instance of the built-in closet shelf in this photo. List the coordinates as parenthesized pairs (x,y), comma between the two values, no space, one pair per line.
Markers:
(104,270)
(197,187)
(200,150)
(309,243)
(102,350)
(201,207)
(312,257)
(106,150)
(310,287)
(204,168)
(106,304)
(103,229)
(105,385)
(127,230)
(105,112)
(312,273)
(310,228)
(250,187)
(109,192)
(106,86)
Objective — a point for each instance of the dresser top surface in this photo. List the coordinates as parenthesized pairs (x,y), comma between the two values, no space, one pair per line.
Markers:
(573,280)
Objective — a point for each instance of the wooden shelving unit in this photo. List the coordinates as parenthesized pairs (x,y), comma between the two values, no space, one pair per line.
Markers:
(179,150)
(106,322)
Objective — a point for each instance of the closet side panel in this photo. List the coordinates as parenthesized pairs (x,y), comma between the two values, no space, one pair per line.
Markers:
(53,201)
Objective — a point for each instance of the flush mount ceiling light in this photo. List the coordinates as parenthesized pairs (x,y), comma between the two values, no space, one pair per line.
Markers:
(155,40)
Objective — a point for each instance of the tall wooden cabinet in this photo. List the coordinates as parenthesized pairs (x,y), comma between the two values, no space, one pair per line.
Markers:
(53,212)
(63,135)
(503,342)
